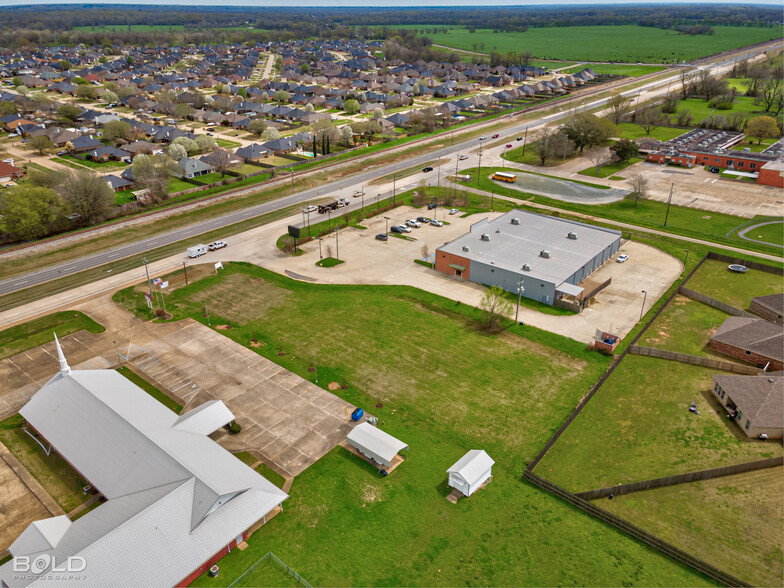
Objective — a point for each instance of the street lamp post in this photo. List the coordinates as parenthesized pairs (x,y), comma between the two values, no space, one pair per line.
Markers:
(479,166)
(329,219)
(337,245)
(320,256)
(525,140)
(520,290)
(386,227)
(642,310)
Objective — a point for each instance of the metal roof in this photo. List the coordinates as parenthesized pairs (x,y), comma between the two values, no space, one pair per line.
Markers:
(504,244)
(373,441)
(472,466)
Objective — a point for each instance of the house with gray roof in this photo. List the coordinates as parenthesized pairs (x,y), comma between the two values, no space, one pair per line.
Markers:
(193,168)
(753,340)
(770,307)
(176,501)
(756,403)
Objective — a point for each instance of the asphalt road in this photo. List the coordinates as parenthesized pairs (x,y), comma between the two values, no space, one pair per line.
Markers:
(352,182)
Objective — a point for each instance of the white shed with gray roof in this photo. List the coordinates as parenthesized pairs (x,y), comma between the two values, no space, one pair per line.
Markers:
(551,256)
(372,442)
(469,472)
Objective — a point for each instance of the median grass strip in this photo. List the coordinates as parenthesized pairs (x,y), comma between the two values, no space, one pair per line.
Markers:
(39,331)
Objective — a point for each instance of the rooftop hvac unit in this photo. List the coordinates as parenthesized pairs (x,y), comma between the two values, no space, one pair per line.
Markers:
(544,253)
(485,237)
(515,221)
(466,248)
(572,235)
(526,267)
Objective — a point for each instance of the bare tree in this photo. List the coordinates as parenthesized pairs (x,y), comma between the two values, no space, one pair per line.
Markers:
(688,87)
(86,194)
(597,157)
(771,95)
(153,173)
(619,107)
(495,307)
(639,187)
(221,161)
(650,119)
(425,251)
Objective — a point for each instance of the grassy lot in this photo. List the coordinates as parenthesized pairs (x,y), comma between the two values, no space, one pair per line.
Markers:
(700,109)
(177,185)
(139,28)
(75,162)
(211,178)
(123,197)
(39,331)
(627,130)
(610,169)
(714,279)
(246,168)
(268,573)
(626,43)
(773,233)
(638,427)
(733,523)
(531,157)
(648,213)
(150,389)
(226,143)
(617,69)
(686,326)
(59,479)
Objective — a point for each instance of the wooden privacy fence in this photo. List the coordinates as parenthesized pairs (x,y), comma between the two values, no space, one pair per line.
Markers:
(635,531)
(739,468)
(718,304)
(715,364)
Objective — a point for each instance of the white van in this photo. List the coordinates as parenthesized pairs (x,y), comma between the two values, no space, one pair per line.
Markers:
(197,250)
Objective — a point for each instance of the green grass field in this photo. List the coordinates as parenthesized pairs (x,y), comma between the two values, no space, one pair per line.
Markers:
(700,109)
(137,28)
(423,387)
(714,279)
(626,43)
(772,233)
(638,427)
(39,331)
(733,522)
(627,130)
(610,169)
(617,69)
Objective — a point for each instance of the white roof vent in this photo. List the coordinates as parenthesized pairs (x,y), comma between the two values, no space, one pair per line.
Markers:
(526,267)
(485,237)
(515,221)
(544,253)
(466,248)
(572,235)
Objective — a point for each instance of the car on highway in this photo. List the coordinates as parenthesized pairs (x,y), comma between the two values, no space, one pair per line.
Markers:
(496,136)
(453,211)
(427,169)
(436,223)
(463,157)
(519,139)
(382,236)
(217,245)
(310,208)
(413,223)
(423,219)
(621,258)
(397,229)
(482,138)
(508,145)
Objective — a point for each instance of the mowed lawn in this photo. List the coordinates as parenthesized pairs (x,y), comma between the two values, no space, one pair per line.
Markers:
(733,523)
(436,380)
(771,233)
(627,43)
(39,331)
(638,426)
(717,281)
(617,69)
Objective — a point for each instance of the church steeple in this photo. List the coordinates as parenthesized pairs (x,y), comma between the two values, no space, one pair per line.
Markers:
(64,368)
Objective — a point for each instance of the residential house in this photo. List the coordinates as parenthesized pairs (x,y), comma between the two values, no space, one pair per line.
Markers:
(756,403)
(756,341)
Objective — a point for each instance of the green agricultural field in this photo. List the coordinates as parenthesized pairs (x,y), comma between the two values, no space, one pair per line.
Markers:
(626,43)
(39,331)
(714,279)
(424,388)
(137,28)
(733,523)
(617,69)
(638,426)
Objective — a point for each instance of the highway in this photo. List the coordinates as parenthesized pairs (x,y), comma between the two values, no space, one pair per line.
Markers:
(343,187)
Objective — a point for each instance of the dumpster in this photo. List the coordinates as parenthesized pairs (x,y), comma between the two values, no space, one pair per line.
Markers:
(357,414)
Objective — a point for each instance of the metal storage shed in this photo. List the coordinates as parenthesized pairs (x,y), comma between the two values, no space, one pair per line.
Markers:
(378,446)
(471,471)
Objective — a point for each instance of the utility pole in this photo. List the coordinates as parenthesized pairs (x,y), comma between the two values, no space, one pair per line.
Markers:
(525,140)
(149,282)
(479,167)
(667,214)
(386,228)
(492,197)
(292,179)
(185,270)
(337,245)
(207,313)
(520,290)
(320,256)
(642,310)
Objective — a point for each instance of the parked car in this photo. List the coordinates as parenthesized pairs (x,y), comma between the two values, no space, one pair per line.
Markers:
(463,157)
(310,208)
(714,170)
(436,223)
(397,229)
(496,136)
(423,219)
(508,145)
(217,245)
(453,211)
(209,134)
(622,258)
(413,223)
(482,138)
(432,206)
(382,236)
(404,229)
(63,152)
(519,139)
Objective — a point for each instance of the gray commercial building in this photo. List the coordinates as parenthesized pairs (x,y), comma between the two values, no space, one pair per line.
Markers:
(552,256)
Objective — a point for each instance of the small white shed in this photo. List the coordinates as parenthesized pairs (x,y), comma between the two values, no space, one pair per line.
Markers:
(378,446)
(471,471)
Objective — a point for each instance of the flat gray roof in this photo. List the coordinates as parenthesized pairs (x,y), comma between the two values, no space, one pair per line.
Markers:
(512,245)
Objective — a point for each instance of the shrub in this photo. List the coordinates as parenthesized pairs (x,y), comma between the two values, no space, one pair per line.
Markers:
(234,427)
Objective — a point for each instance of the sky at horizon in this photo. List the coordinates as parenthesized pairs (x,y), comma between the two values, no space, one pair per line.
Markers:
(376,3)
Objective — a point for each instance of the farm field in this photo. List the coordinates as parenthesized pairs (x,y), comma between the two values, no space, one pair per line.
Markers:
(340,510)
(714,279)
(626,43)
(733,522)
(638,427)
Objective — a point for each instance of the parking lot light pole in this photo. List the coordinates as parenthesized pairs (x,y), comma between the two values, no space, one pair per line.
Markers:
(320,256)
(520,290)
(479,165)
(337,245)
(642,310)
(386,227)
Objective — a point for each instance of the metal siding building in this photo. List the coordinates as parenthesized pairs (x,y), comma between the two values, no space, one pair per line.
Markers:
(551,255)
